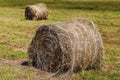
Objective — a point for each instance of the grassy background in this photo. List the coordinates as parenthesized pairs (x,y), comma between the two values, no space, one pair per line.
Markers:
(16,33)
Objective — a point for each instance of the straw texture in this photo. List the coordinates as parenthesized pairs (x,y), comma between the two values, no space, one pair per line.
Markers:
(36,12)
(66,47)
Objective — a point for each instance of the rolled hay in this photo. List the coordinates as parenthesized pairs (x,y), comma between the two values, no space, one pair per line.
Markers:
(66,47)
(36,12)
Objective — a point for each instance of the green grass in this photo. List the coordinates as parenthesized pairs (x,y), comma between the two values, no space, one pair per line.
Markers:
(96,75)
(8,53)
(16,33)
(8,73)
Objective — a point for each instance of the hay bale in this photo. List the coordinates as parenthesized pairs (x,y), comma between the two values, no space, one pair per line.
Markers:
(66,47)
(36,12)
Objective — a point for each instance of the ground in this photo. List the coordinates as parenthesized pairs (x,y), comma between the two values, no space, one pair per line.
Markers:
(16,34)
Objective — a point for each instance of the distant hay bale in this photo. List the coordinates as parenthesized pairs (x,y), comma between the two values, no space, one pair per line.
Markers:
(66,47)
(36,12)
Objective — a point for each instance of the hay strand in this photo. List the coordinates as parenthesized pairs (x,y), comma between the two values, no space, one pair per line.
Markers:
(36,12)
(63,48)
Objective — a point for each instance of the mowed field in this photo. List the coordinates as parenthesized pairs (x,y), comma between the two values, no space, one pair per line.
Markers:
(16,34)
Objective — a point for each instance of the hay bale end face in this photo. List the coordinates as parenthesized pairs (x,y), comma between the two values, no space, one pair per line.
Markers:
(66,47)
(36,12)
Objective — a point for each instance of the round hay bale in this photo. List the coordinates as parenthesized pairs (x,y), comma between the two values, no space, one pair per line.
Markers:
(36,12)
(66,47)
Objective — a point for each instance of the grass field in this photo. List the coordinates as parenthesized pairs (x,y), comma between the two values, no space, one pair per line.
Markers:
(16,34)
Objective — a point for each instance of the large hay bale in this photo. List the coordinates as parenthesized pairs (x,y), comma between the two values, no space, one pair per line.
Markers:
(36,12)
(66,47)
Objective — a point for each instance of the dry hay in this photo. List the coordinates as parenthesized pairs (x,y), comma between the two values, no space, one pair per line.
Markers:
(36,12)
(63,48)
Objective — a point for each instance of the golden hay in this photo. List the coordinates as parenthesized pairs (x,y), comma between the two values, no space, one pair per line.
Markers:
(63,48)
(36,12)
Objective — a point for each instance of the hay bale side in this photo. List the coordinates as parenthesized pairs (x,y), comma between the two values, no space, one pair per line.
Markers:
(66,47)
(36,12)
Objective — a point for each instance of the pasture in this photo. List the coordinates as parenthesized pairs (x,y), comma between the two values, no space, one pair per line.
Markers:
(16,34)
